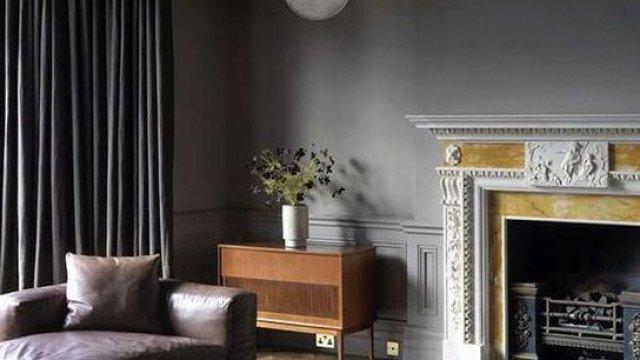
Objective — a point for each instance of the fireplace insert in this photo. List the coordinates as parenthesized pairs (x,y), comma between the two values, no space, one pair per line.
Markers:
(574,291)
(588,326)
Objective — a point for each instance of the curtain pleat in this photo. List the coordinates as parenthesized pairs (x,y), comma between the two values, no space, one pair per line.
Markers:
(163,92)
(85,134)
(8,258)
(26,140)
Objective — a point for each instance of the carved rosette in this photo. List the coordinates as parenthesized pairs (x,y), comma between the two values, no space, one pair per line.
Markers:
(453,155)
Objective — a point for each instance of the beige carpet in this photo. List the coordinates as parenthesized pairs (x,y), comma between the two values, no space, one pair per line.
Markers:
(291,355)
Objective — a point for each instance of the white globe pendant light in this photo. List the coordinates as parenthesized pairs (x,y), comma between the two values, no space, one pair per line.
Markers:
(316,9)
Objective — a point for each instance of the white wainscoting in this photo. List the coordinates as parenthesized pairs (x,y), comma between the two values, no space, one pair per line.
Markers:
(409,276)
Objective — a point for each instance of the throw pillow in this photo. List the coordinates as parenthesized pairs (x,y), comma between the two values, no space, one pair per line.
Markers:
(113,293)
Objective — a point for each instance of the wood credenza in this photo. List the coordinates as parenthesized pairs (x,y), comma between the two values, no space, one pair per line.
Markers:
(317,289)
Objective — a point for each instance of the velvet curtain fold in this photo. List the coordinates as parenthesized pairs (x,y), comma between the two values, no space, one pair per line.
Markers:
(85,134)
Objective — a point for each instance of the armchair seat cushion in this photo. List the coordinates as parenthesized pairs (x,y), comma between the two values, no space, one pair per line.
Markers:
(107,345)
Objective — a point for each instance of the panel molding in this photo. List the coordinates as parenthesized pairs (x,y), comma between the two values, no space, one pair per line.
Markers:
(425,272)
(393,304)
(427,276)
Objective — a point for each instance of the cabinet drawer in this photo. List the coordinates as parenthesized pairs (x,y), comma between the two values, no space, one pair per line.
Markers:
(280,266)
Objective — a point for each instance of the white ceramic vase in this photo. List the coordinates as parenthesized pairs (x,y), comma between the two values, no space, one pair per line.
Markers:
(295,225)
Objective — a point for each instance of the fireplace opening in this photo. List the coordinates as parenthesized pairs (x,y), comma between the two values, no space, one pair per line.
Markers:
(574,290)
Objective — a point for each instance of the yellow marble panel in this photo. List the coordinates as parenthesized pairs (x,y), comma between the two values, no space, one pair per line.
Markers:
(547,206)
(489,155)
(624,157)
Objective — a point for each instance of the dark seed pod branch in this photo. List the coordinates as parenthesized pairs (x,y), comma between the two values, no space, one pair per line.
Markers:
(287,176)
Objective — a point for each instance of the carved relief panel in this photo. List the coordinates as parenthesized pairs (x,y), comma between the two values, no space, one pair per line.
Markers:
(567,163)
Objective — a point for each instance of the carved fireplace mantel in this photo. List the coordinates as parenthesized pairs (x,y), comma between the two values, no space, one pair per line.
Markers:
(577,161)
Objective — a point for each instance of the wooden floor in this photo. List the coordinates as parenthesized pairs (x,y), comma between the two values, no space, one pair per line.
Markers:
(292,355)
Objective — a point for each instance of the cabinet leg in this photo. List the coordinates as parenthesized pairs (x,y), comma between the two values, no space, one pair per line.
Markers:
(371,347)
(340,341)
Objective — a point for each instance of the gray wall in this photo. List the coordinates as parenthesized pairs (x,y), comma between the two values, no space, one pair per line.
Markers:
(200,38)
(250,74)
(529,56)
(345,83)
(276,79)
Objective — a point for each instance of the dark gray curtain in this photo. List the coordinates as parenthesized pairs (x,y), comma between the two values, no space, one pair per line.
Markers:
(85,134)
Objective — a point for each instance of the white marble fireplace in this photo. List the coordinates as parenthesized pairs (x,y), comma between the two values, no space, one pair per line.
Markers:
(577,168)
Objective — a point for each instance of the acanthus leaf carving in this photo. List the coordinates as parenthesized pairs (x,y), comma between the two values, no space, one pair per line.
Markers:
(457,197)
(454,258)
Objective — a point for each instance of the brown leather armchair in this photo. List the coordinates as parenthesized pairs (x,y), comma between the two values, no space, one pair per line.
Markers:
(200,322)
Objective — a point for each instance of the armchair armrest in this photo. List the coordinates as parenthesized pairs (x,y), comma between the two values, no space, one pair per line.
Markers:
(32,311)
(222,315)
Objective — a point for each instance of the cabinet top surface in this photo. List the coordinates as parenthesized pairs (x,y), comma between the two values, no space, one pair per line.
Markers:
(278,246)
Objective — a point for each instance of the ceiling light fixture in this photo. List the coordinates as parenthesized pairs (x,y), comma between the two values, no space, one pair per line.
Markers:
(316,9)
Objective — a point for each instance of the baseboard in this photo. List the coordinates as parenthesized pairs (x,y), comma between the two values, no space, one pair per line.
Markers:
(420,343)
(415,343)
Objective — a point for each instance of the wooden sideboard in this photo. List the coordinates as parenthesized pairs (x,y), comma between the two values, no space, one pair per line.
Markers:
(317,289)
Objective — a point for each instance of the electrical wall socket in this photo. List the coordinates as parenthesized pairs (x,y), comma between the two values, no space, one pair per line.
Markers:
(325,341)
(393,348)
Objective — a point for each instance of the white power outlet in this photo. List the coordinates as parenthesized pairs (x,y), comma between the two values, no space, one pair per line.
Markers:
(393,348)
(325,341)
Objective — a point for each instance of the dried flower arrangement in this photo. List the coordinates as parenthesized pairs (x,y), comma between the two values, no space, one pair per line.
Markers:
(287,176)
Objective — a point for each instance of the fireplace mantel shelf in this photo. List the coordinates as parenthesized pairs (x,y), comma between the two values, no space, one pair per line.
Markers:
(615,127)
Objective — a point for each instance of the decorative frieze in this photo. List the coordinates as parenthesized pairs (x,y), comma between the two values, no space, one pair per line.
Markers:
(533,133)
(567,163)
(482,173)
(625,176)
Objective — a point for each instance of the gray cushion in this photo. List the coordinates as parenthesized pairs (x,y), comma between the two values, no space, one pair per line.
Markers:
(113,293)
(106,345)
